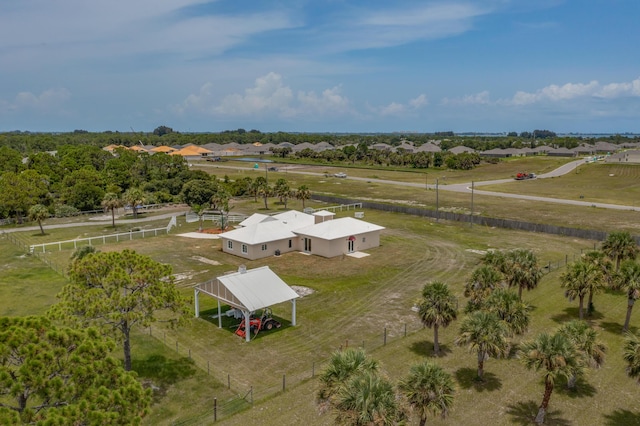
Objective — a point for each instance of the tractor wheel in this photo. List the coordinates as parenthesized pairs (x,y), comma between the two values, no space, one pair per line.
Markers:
(268,325)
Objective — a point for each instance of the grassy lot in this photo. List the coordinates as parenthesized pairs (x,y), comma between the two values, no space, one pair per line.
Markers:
(354,301)
(591,182)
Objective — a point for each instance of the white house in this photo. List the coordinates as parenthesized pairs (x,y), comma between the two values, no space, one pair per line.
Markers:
(319,233)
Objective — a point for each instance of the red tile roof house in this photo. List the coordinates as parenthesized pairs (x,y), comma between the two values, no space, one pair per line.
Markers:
(319,234)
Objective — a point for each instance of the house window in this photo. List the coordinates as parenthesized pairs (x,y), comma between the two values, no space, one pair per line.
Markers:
(230,245)
(290,244)
(264,247)
(364,239)
(244,249)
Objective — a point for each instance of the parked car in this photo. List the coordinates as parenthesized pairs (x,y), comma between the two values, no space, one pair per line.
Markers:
(273,169)
(340,175)
(214,159)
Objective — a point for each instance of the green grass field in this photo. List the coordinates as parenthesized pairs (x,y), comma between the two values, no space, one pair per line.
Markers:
(354,302)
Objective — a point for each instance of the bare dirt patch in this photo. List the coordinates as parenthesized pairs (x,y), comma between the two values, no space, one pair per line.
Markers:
(302,291)
(205,260)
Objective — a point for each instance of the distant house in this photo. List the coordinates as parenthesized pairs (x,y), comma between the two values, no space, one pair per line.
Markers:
(428,147)
(320,234)
(561,152)
(461,149)
(496,153)
(625,157)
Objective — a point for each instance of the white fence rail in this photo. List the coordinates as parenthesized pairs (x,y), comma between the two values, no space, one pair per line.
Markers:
(232,218)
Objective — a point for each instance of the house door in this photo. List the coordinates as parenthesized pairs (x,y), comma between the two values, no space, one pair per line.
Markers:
(350,246)
(307,245)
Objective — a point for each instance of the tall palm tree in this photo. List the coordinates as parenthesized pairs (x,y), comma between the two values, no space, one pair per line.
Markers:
(521,269)
(429,390)
(39,213)
(303,193)
(603,263)
(220,202)
(367,399)
(111,202)
(482,282)
(510,309)
(556,356)
(342,365)
(580,279)
(483,333)
(629,281)
(620,246)
(631,354)
(437,308)
(585,339)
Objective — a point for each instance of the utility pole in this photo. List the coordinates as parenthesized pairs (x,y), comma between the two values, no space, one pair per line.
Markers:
(437,202)
(472,204)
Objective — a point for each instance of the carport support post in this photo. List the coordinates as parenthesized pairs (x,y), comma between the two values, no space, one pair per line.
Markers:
(247,325)
(293,312)
(196,292)
(219,315)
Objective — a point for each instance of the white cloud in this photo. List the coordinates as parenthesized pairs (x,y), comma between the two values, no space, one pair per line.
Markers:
(47,100)
(481,98)
(268,95)
(331,102)
(419,102)
(568,91)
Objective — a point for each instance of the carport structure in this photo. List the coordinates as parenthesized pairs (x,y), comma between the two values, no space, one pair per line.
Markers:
(247,291)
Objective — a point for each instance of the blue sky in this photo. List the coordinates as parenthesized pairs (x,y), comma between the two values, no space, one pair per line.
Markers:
(320,65)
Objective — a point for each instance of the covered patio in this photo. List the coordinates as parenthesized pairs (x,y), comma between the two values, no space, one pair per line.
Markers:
(247,291)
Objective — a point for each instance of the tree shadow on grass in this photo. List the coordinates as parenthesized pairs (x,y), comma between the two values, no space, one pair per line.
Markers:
(616,328)
(573,313)
(622,417)
(468,378)
(163,370)
(583,389)
(425,348)
(524,413)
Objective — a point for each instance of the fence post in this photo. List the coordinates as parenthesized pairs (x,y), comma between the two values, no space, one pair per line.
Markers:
(228,381)
(385,336)
(176,346)
(284,382)
(405,329)
(313,369)
(251,393)
(215,409)
(208,370)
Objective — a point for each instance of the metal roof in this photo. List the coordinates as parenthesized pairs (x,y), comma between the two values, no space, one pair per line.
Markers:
(251,290)
(338,228)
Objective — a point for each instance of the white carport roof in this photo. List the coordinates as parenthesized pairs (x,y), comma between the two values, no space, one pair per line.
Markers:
(251,290)
(339,228)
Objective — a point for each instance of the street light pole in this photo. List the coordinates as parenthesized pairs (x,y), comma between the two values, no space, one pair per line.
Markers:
(472,204)
(437,202)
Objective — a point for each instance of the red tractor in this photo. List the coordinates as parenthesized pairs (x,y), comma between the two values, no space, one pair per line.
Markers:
(265,322)
(524,176)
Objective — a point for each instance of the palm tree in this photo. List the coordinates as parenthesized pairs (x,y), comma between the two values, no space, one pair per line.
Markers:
(620,246)
(134,197)
(220,201)
(629,281)
(367,399)
(580,279)
(483,333)
(111,201)
(39,213)
(520,268)
(585,340)
(437,308)
(342,365)
(510,309)
(483,281)
(603,263)
(556,356)
(303,193)
(428,389)
(631,354)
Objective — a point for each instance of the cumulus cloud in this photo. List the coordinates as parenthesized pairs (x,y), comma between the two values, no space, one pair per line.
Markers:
(481,98)
(568,91)
(398,109)
(49,99)
(269,96)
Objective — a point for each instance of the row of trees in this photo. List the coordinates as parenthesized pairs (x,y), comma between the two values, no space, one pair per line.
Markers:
(27,143)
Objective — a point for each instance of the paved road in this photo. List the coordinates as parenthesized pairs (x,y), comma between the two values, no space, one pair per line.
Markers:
(93,222)
(466,187)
